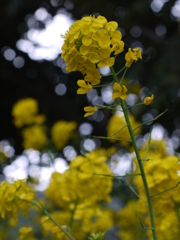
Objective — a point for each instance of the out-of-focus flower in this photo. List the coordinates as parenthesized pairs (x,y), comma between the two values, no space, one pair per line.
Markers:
(14,197)
(25,112)
(116,123)
(34,137)
(61,132)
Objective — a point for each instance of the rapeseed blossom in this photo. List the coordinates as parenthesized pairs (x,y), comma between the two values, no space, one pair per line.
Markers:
(90,43)
(14,197)
(130,56)
(84,88)
(148,100)
(25,233)
(120,91)
(61,132)
(25,112)
(34,137)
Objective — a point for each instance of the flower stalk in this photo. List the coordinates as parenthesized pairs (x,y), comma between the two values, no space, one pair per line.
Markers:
(131,132)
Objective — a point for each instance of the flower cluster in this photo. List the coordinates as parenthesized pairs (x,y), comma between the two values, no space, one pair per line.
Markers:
(90,43)
(161,172)
(26,115)
(14,197)
(81,188)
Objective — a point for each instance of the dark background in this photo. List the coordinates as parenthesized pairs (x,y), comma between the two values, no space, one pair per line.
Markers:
(159,71)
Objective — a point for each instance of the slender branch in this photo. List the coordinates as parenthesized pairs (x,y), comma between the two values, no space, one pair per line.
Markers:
(137,195)
(135,105)
(108,138)
(53,220)
(123,75)
(118,176)
(104,85)
(143,225)
(118,131)
(108,107)
(150,120)
(148,145)
(121,70)
(152,195)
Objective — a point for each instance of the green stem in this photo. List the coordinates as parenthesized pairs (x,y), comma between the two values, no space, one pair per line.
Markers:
(53,220)
(139,163)
(72,216)
(165,190)
(118,176)
(123,76)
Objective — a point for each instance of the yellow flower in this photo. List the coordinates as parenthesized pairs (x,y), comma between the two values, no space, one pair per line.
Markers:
(61,132)
(119,91)
(84,87)
(90,110)
(130,56)
(148,100)
(34,137)
(24,232)
(25,112)
(89,43)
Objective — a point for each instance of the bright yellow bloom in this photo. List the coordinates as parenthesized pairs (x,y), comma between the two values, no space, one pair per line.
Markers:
(84,88)
(90,42)
(119,91)
(61,132)
(25,112)
(148,100)
(90,110)
(13,197)
(130,56)
(34,137)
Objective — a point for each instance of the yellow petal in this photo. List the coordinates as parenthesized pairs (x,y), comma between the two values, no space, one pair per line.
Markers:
(112,26)
(110,61)
(116,95)
(81,83)
(86,40)
(82,91)
(94,57)
(84,49)
(117,87)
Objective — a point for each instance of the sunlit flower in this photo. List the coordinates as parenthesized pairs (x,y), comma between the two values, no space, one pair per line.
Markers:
(90,110)
(120,91)
(148,100)
(130,56)
(84,88)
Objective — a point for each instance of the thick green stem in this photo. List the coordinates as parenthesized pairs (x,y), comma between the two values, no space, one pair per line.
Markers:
(139,161)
